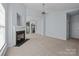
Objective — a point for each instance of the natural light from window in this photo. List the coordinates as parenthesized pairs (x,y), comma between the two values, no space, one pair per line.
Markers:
(2,26)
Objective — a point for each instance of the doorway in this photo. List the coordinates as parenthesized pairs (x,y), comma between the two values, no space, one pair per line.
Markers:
(73,25)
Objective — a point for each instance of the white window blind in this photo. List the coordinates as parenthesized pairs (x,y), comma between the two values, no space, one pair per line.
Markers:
(2,26)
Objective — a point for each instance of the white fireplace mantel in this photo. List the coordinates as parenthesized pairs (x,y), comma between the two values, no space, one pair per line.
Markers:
(20,28)
(16,28)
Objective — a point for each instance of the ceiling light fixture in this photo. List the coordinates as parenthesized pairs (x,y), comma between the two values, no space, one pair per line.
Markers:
(43,12)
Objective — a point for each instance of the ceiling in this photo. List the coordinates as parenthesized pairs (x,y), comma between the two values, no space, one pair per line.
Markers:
(52,6)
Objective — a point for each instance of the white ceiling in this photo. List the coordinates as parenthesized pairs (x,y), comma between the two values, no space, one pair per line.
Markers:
(52,6)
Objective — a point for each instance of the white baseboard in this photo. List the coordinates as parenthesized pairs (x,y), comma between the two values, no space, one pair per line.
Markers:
(60,38)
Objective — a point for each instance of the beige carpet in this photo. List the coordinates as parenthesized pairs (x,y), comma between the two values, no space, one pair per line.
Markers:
(45,46)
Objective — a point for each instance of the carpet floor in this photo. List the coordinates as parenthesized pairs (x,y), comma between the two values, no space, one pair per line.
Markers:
(45,46)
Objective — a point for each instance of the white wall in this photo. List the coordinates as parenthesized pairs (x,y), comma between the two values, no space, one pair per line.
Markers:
(75,26)
(56,25)
(20,9)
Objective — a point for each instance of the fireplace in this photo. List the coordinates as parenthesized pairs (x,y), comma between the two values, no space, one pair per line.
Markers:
(20,37)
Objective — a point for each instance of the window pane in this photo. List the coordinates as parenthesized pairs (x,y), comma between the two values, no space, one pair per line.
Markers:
(2,16)
(2,37)
(2,26)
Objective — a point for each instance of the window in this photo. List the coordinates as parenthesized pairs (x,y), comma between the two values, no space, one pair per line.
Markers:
(2,26)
